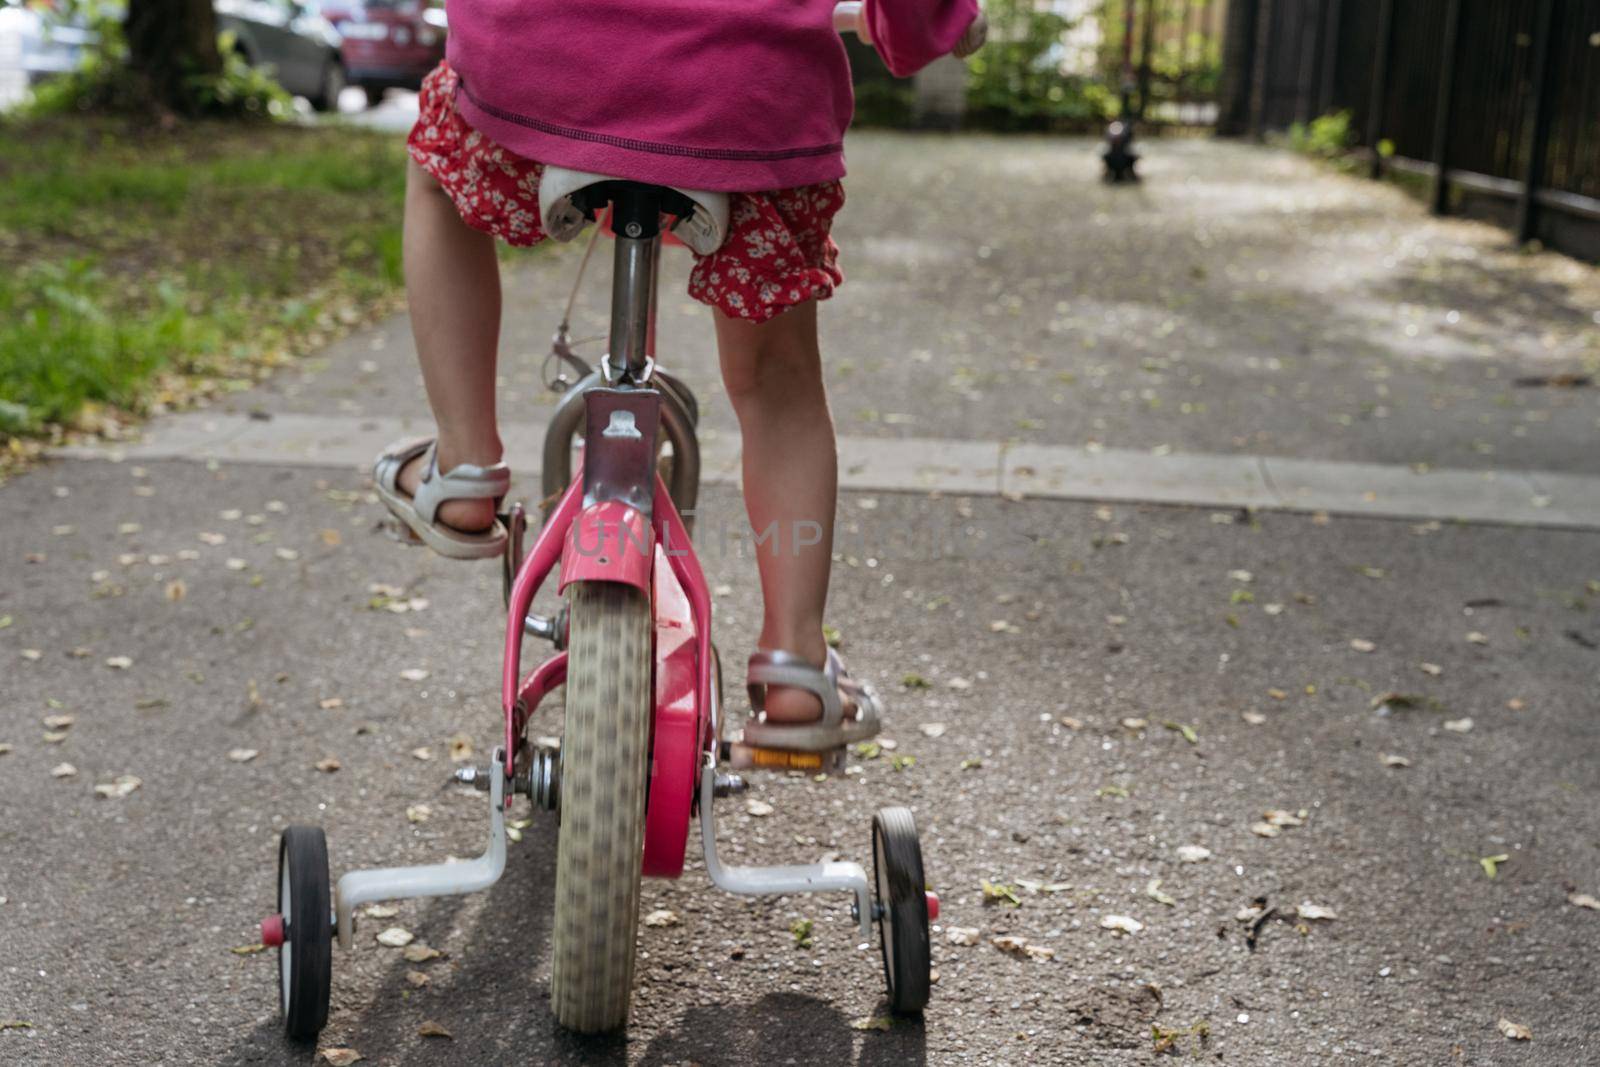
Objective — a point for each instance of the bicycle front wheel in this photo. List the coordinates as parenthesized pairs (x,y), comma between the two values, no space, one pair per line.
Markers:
(604,772)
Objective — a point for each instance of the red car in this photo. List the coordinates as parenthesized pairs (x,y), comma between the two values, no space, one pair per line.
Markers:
(388,44)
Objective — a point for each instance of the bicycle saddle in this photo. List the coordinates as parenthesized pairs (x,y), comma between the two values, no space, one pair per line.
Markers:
(564,211)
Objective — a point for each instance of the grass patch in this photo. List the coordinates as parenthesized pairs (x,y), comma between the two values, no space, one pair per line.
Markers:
(141,267)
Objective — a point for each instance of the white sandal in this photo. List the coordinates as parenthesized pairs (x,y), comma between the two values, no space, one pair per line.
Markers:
(419,513)
(830,684)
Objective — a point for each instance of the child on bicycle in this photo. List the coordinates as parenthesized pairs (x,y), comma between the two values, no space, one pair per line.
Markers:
(739,96)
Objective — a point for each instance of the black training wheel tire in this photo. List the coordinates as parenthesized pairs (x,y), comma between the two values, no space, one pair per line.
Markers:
(901,893)
(305,960)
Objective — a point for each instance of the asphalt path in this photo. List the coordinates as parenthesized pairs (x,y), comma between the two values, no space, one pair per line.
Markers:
(1348,715)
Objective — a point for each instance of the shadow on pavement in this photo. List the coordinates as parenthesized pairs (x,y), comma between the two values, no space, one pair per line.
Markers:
(783,1028)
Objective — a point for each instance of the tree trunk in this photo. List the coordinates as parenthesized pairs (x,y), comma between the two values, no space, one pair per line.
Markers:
(171,42)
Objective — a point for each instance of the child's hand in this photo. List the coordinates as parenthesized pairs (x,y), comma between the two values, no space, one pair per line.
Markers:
(972,40)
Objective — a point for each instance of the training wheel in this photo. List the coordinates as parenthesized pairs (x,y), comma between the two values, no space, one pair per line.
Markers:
(303,931)
(902,898)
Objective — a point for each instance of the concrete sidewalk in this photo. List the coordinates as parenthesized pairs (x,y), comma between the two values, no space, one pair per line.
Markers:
(1133,669)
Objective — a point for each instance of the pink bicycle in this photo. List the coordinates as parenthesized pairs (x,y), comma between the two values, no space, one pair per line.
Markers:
(642,740)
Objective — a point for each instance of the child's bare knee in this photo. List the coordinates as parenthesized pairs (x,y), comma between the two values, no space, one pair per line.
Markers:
(773,362)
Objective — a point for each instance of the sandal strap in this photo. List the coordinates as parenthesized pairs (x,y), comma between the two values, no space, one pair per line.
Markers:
(466,481)
(777,667)
(386,471)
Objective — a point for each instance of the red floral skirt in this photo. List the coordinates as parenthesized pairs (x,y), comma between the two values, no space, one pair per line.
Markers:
(778,252)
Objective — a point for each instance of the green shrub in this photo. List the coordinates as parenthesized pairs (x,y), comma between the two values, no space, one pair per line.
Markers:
(1328,137)
(1016,82)
(105,84)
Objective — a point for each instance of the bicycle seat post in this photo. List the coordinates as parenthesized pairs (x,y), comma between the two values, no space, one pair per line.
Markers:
(636,218)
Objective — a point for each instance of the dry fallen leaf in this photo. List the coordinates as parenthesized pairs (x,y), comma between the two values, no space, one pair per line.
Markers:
(119,788)
(242,755)
(414,674)
(460,748)
(32,655)
(417,979)
(1515,1031)
(330,703)
(58,722)
(420,953)
(1361,644)
(1583,900)
(4,748)
(328,765)
(119,663)
(1193,853)
(662,917)
(932,729)
(1254,718)
(1153,891)
(872,1022)
(1310,912)
(1389,760)
(1516,704)
(341,1057)
(63,770)
(380,911)
(429,1028)
(176,590)
(1477,638)
(1279,817)
(758,808)
(424,753)
(418,813)
(395,937)
(1458,726)
(1431,668)
(959,683)
(962,935)
(1264,829)
(1135,723)
(1122,924)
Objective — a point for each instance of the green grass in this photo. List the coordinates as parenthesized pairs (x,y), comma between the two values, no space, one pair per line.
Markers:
(137,265)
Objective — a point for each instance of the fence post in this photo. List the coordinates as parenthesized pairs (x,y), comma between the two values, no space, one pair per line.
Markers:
(1441,118)
(1380,78)
(1310,31)
(1330,55)
(1539,127)
(1258,82)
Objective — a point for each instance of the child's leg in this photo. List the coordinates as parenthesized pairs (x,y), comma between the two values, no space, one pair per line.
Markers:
(453,287)
(773,375)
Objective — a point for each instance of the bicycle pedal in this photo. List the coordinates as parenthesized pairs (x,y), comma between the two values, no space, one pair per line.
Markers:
(749,757)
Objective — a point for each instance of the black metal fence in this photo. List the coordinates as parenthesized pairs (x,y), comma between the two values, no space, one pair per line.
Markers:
(1505,94)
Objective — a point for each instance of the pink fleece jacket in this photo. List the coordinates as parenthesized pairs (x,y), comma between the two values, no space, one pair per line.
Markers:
(734,95)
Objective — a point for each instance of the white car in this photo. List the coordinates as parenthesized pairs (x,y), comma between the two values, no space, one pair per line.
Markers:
(32,49)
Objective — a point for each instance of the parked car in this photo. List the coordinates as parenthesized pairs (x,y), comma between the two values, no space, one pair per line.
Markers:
(295,40)
(33,48)
(297,43)
(388,44)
